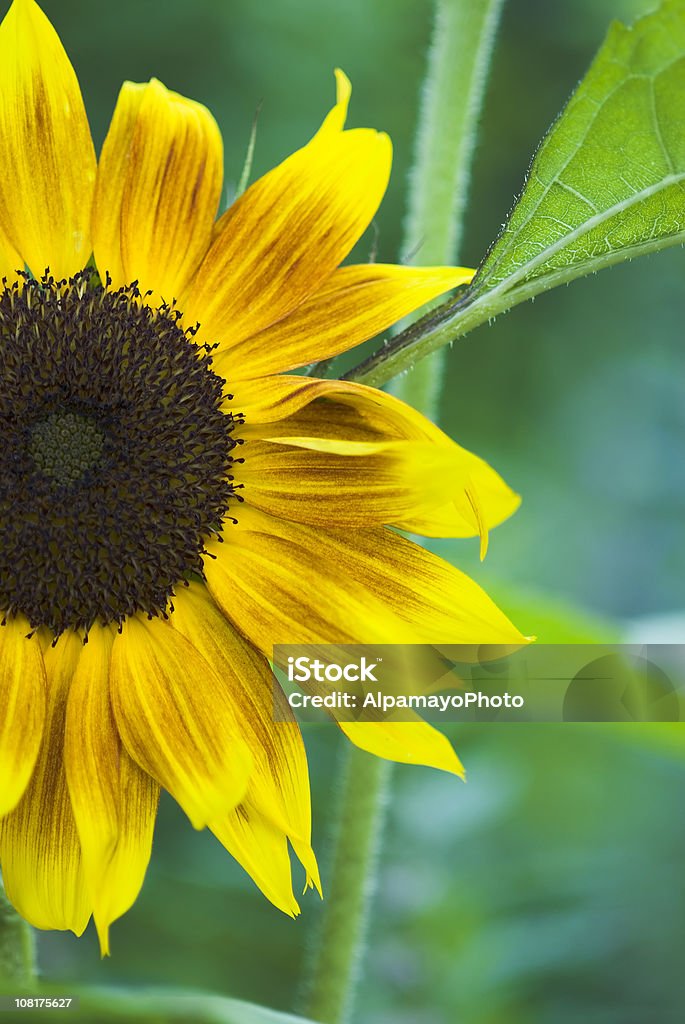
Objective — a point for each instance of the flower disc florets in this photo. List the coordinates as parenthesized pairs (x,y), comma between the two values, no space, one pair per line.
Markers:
(115,462)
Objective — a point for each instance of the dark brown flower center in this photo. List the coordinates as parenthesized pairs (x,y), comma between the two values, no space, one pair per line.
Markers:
(116,456)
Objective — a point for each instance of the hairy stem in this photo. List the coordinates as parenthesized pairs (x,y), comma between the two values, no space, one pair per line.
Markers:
(17,949)
(337,956)
(451,103)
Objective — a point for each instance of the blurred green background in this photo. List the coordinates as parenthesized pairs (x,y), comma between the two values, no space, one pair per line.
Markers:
(550,888)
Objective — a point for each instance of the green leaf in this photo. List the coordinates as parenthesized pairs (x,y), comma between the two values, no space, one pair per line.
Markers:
(164,1005)
(606,185)
(607,181)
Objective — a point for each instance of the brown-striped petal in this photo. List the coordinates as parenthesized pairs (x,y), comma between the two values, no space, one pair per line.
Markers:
(279,591)
(354,304)
(158,189)
(22,708)
(262,850)
(430,599)
(113,800)
(40,850)
(278,789)
(289,231)
(176,719)
(47,160)
(466,498)
(334,482)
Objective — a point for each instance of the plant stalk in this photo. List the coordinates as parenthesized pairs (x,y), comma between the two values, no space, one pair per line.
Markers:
(336,960)
(451,104)
(17,949)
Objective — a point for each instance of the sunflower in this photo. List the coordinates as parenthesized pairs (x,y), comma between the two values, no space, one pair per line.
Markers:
(173,503)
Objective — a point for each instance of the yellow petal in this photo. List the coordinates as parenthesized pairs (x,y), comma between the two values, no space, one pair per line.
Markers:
(440,604)
(335,119)
(329,482)
(175,717)
(158,189)
(406,742)
(354,304)
(269,399)
(121,882)
(22,708)
(47,160)
(112,173)
(278,789)
(40,852)
(113,801)
(262,850)
(91,754)
(288,232)
(460,494)
(276,592)
(280,592)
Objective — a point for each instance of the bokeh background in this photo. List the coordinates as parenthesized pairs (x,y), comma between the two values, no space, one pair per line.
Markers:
(549,889)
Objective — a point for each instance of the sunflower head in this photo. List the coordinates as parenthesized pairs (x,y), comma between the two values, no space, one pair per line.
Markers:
(131,518)
(116,463)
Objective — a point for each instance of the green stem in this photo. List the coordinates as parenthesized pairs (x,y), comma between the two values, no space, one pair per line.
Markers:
(337,957)
(451,102)
(17,948)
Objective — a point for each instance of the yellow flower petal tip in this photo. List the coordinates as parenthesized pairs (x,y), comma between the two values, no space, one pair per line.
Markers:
(343,91)
(307,858)
(311,884)
(408,742)
(285,500)
(103,938)
(334,122)
(313,878)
